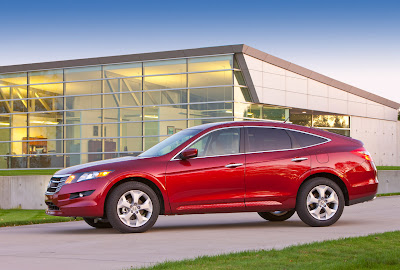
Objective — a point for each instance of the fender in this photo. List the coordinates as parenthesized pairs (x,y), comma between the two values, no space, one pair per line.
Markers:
(132,174)
(313,171)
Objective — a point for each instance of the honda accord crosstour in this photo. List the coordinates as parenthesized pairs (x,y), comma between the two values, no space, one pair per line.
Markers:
(274,169)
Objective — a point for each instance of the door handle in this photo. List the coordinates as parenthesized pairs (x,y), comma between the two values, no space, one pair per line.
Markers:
(298,159)
(233,165)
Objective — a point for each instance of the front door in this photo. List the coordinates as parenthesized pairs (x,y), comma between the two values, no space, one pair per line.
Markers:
(214,180)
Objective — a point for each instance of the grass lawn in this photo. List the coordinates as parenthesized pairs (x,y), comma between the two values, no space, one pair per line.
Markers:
(388,194)
(388,168)
(28,172)
(379,251)
(15,217)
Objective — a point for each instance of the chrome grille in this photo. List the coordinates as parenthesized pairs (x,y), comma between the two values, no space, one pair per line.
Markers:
(55,184)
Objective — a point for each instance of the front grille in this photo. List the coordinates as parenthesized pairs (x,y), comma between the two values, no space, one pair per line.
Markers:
(56,182)
(52,206)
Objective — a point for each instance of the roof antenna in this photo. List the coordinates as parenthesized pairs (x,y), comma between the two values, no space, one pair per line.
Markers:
(286,119)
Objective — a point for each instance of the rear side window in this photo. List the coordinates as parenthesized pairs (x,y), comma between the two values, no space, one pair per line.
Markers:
(305,139)
(267,139)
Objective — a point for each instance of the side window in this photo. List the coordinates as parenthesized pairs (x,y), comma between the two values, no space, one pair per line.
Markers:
(267,139)
(305,139)
(218,143)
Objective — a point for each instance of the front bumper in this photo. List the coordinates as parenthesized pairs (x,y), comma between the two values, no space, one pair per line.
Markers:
(61,204)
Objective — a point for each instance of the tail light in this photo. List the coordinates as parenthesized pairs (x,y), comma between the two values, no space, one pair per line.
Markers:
(361,152)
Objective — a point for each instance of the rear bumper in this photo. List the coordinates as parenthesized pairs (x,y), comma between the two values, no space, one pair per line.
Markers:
(362,199)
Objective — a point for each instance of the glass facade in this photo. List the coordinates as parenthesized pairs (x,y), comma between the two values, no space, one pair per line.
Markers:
(63,117)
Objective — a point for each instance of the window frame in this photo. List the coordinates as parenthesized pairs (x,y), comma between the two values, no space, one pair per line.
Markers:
(241,143)
(295,144)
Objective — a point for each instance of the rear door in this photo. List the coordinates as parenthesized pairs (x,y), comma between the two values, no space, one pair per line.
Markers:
(274,163)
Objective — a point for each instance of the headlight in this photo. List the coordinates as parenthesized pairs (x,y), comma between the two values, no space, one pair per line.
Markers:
(74,178)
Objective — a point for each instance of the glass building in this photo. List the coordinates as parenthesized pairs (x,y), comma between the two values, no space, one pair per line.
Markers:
(59,114)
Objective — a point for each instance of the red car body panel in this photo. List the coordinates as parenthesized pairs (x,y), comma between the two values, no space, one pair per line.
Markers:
(267,181)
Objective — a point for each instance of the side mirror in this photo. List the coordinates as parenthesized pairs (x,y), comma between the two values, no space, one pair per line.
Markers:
(188,153)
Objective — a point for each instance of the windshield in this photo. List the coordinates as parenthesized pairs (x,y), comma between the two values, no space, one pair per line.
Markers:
(170,143)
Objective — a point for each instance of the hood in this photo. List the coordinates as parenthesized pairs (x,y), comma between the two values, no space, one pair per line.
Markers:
(98,165)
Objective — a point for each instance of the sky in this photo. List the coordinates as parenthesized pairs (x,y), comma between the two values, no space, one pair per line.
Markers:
(356,42)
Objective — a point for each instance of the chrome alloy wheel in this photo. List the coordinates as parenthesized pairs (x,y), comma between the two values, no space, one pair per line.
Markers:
(322,202)
(134,208)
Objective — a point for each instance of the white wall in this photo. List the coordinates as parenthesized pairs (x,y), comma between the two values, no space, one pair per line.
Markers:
(380,137)
(277,86)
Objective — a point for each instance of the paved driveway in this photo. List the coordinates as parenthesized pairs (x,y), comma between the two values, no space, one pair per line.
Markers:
(75,245)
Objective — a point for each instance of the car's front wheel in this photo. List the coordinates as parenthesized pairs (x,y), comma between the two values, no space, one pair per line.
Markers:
(132,207)
(277,215)
(320,202)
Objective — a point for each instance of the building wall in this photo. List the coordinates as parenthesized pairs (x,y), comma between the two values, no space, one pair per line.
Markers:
(277,86)
(380,137)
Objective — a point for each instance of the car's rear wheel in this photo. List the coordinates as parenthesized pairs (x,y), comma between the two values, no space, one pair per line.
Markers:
(133,207)
(320,202)
(97,223)
(277,215)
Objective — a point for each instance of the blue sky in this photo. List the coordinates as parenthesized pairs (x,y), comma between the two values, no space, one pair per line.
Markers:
(357,42)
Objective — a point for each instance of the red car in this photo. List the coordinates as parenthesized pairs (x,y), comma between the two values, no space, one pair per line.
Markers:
(271,168)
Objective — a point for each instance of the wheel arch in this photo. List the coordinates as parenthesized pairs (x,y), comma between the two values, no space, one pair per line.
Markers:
(332,177)
(145,181)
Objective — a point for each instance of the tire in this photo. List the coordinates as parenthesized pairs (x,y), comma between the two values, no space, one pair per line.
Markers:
(320,202)
(277,215)
(132,207)
(98,224)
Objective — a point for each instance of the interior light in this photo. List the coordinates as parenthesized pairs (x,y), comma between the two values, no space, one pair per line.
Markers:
(4,124)
(303,112)
(43,122)
(151,116)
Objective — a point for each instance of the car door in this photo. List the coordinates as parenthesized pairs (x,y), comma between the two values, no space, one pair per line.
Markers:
(214,180)
(274,163)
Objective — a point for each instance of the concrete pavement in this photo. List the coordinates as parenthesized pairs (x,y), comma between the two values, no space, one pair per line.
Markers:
(75,245)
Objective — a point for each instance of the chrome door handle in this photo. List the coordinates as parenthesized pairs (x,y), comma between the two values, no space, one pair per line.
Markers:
(299,159)
(233,165)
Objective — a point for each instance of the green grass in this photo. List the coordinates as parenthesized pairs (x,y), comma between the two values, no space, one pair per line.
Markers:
(388,168)
(16,217)
(28,172)
(379,251)
(388,194)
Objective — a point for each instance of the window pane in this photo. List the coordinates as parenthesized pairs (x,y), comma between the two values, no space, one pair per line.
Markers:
(267,139)
(211,110)
(239,79)
(5,93)
(337,121)
(163,128)
(83,73)
(274,113)
(82,117)
(46,76)
(13,79)
(83,131)
(19,148)
(122,85)
(5,107)
(344,132)
(301,119)
(165,97)
(165,67)
(211,94)
(46,104)
(83,102)
(210,63)
(46,161)
(133,145)
(210,79)
(165,112)
(46,90)
(123,115)
(196,122)
(4,147)
(16,162)
(76,159)
(122,100)
(220,142)
(164,82)
(248,110)
(149,142)
(83,146)
(123,129)
(81,88)
(307,139)
(123,70)
(38,146)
